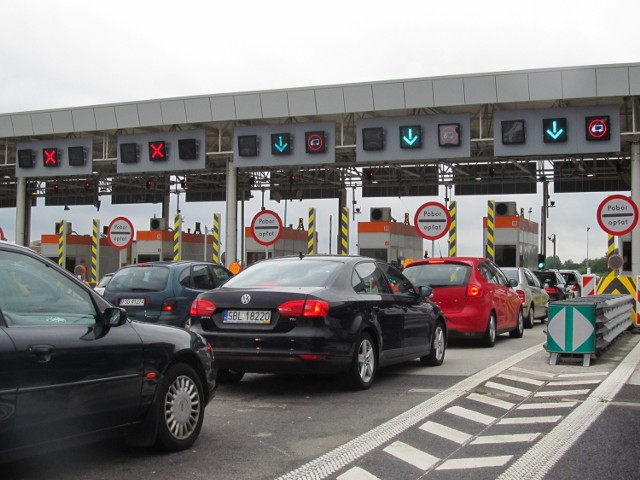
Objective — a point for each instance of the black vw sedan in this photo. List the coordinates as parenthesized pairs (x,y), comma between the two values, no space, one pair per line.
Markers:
(74,368)
(319,314)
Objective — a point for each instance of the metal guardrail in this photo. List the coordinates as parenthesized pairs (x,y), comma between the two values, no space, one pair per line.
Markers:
(587,325)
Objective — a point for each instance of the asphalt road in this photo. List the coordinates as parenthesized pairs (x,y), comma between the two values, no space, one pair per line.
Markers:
(282,427)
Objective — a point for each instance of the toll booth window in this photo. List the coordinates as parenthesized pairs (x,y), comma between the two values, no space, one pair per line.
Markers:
(505,255)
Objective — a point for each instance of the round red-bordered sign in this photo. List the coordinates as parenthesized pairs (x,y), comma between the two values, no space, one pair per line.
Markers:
(432,220)
(266,227)
(120,233)
(617,215)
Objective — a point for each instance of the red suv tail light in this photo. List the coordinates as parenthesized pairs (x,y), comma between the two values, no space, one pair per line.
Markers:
(521,295)
(575,287)
(202,308)
(302,308)
(473,290)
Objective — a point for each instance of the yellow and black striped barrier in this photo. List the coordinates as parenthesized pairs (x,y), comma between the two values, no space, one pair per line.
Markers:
(177,237)
(215,247)
(343,244)
(311,233)
(62,243)
(95,249)
(491,225)
(453,237)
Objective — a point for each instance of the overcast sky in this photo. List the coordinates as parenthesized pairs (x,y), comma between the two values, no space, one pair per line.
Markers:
(73,53)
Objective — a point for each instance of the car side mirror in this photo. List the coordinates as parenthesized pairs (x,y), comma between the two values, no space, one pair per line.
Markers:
(513,283)
(425,291)
(114,316)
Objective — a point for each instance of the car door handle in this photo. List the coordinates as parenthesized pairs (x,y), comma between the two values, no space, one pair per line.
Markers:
(42,352)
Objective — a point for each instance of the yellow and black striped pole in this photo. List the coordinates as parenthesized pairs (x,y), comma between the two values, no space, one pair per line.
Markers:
(453,236)
(343,244)
(95,249)
(491,225)
(62,243)
(215,247)
(611,247)
(177,237)
(311,235)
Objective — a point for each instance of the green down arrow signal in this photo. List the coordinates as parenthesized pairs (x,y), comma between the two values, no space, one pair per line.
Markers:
(281,145)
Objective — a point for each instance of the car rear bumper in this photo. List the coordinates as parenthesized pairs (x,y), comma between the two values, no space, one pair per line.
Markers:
(281,362)
(467,323)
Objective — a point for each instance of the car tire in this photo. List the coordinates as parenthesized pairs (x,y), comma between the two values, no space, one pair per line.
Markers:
(528,320)
(229,377)
(364,364)
(489,338)
(438,347)
(180,408)
(519,330)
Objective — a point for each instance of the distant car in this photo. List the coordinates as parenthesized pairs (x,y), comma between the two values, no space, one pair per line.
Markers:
(473,293)
(319,314)
(162,292)
(554,284)
(75,369)
(573,278)
(102,284)
(535,300)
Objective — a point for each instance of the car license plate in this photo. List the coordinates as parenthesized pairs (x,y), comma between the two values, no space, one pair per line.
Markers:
(262,317)
(132,302)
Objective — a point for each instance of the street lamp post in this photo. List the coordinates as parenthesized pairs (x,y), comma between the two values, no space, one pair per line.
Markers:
(588,269)
(552,237)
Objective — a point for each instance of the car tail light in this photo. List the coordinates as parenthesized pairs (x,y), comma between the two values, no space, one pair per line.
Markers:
(202,308)
(521,295)
(435,261)
(302,308)
(551,290)
(574,287)
(473,290)
(169,305)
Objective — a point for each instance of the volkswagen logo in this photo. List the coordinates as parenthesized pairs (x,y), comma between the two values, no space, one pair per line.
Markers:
(246,298)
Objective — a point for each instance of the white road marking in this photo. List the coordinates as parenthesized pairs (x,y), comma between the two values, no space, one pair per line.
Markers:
(474,462)
(409,454)
(487,400)
(544,406)
(530,420)
(471,415)
(521,392)
(530,381)
(443,431)
(536,462)
(357,473)
(532,372)
(560,393)
(514,438)
(584,374)
(568,383)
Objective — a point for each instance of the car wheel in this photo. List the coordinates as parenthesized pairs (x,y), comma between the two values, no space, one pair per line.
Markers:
(438,347)
(528,320)
(229,377)
(364,363)
(180,408)
(489,338)
(519,330)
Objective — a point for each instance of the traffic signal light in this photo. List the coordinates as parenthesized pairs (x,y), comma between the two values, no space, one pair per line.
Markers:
(292,179)
(87,185)
(128,153)
(248,145)
(188,149)
(280,144)
(56,188)
(25,158)
(411,136)
(370,176)
(157,151)
(597,128)
(554,130)
(149,184)
(77,156)
(492,170)
(51,157)
(183,183)
(373,138)
(541,261)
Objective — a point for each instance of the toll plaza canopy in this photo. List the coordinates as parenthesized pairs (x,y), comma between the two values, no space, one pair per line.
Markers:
(493,133)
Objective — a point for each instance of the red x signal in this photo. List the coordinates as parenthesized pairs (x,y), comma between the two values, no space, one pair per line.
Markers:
(157,151)
(50,156)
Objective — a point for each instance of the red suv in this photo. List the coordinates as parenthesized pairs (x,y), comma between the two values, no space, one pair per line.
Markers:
(475,296)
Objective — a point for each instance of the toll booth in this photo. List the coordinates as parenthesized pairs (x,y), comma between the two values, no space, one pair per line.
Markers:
(78,253)
(515,237)
(156,245)
(389,241)
(291,242)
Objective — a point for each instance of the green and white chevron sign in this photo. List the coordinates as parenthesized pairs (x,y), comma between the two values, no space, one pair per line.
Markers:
(571,329)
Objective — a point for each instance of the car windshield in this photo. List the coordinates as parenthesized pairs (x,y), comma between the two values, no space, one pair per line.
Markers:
(438,274)
(145,278)
(286,273)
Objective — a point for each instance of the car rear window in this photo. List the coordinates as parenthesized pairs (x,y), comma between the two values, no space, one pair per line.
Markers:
(139,279)
(286,273)
(547,278)
(438,274)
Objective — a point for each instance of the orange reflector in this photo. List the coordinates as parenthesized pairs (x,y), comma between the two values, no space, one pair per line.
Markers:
(312,357)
